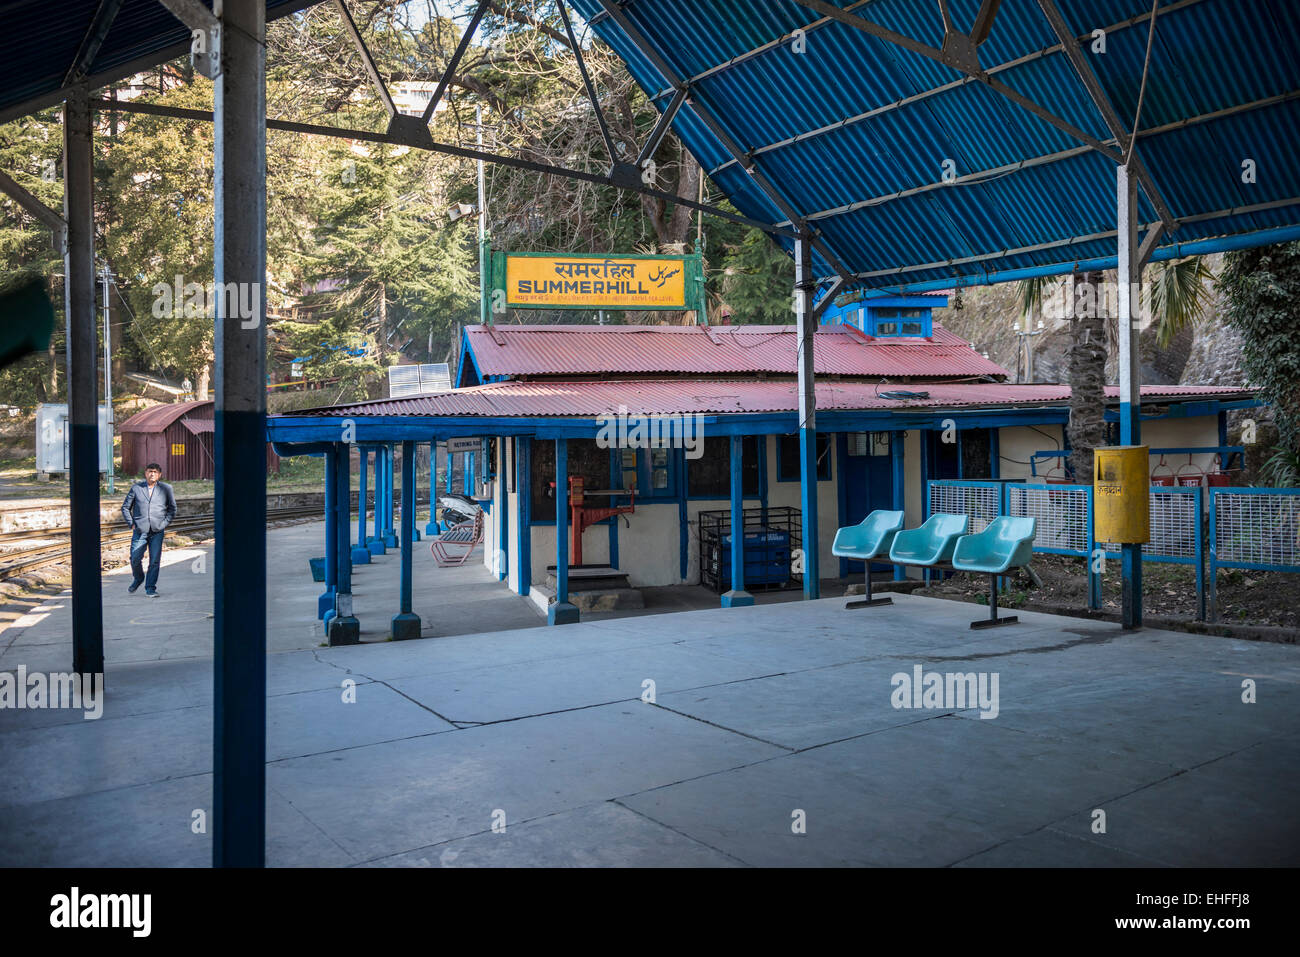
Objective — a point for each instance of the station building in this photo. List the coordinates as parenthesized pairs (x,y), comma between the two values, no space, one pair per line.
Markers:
(899,400)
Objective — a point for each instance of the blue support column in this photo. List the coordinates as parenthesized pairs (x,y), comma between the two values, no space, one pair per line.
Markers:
(432,527)
(390,486)
(897,447)
(502,516)
(808,501)
(523,487)
(325,603)
(343,628)
(560,611)
(360,552)
(737,597)
(375,542)
(1128,273)
(407,624)
(451,467)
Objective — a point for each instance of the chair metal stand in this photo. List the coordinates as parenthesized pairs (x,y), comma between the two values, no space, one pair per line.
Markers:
(869,602)
(992,621)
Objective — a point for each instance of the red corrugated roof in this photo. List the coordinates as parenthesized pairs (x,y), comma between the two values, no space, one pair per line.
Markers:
(156,418)
(690,396)
(717,350)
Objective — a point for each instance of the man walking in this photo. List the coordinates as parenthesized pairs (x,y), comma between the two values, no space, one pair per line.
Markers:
(149,508)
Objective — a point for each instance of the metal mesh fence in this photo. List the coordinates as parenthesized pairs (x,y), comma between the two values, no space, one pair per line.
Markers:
(1257,529)
(1175,525)
(1062,516)
(981,502)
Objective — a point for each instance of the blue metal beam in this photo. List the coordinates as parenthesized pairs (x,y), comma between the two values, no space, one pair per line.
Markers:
(325,603)
(343,628)
(560,611)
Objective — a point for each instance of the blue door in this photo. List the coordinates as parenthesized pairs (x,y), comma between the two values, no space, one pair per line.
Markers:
(867,483)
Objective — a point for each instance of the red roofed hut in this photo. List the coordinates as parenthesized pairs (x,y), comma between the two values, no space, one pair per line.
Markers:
(178,436)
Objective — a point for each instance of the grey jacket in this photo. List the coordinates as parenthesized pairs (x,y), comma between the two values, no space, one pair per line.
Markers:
(147,514)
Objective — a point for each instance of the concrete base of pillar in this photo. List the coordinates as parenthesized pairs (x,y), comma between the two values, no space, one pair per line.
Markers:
(344,631)
(325,604)
(405,626)
(415,534)
(736,599)
(360,555)
(561,613)
(390,538)
(433,528)
(376,546)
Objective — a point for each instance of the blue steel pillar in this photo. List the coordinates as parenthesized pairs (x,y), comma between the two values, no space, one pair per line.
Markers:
(360,551)
(432,527)
(405,623)
(560,611)
(805,283)
(897,447)
(375,542)
(1129,271)
(502,516)
(325,603)
(343,629)
(239,443)
(390,533)
(737,596)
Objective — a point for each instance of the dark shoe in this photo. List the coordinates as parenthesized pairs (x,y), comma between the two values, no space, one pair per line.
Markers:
(132,587)
(151,594)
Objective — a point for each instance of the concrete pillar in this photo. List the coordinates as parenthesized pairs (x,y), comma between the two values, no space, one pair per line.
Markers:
(83,386)
(737,597)
(239,261)
(360,552)
(899,476)
(344,629)
(325,603)
(805,283)
(560,611)
(375,543)
(406,624)
(502,512)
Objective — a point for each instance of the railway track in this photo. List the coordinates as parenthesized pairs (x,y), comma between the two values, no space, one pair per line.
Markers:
(111,535)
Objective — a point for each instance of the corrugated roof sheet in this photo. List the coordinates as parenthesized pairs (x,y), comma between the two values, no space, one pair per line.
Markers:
(717,350)
(156,418)
(849,118)
(706,396)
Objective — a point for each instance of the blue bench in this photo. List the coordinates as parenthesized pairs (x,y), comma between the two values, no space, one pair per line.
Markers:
(1007,543)
(871,538)
(931,543)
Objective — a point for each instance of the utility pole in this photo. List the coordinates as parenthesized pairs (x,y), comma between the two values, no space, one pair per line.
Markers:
(1023,341)
(108,379)
(485,310)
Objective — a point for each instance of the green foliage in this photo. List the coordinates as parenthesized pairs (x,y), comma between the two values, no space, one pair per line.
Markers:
(1282,470)
(1176,293)
(758,281)
(1262,301)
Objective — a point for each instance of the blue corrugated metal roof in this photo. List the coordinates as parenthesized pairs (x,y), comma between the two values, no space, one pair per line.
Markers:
(857,120)
(41,40)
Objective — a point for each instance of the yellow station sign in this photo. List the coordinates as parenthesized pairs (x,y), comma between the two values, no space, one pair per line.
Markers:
(596,282)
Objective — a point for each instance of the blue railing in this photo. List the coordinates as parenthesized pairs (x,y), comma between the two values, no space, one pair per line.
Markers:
(1250,528)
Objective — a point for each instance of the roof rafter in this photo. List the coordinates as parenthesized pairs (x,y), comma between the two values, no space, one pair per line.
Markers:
(958,60)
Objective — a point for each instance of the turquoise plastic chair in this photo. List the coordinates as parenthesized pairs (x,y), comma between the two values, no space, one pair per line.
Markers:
(1007,543)
(930,544)
(870,538)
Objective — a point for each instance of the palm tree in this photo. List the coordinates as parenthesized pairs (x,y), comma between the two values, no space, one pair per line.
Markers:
(1176,294)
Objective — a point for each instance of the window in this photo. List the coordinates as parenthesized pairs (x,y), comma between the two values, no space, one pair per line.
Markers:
(585,459)
(898,321)
(787,458)
(709,476)
(652,472)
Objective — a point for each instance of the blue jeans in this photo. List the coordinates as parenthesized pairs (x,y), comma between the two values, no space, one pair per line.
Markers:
(139,541)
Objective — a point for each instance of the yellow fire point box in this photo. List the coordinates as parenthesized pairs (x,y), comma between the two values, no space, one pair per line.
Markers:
(1121,500)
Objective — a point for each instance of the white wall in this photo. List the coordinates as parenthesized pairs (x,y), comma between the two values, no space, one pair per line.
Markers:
(1017,443)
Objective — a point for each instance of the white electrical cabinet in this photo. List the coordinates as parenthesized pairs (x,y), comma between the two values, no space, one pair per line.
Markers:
(53,435)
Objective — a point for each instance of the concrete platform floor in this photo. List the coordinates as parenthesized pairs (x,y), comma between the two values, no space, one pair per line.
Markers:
(762,718)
